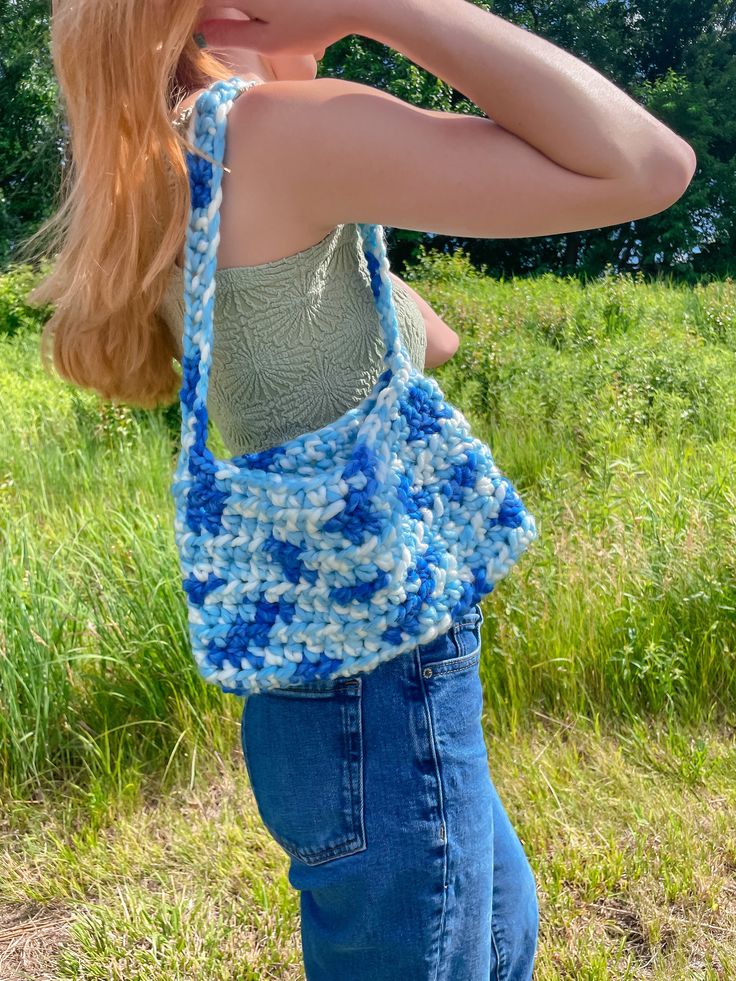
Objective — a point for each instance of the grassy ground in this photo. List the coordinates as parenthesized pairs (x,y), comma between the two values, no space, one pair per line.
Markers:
(631,837)
(131,844)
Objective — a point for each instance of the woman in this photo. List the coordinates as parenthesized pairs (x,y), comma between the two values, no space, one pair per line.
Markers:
(378,790)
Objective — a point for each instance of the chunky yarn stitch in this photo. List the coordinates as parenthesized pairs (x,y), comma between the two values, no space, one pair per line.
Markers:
(322,557)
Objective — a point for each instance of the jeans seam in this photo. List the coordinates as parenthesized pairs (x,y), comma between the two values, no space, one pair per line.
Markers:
(443,816)
(500,972)
(346,749)
(361,767)
(356,842)
(497,971)
(468,661)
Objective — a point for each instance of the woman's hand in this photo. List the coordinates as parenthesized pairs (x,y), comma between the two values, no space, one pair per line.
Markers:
(279,26)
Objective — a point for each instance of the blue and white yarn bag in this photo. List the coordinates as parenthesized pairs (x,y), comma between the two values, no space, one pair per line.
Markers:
(337,550)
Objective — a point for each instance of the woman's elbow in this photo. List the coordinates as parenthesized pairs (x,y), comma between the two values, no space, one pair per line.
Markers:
(441,349)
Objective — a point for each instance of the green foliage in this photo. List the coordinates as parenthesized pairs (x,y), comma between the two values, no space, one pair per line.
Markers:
(611,407)
(686,78)
(16,315)
(32,134)
(711,312)
(442,267)
(630,835)
(608,659)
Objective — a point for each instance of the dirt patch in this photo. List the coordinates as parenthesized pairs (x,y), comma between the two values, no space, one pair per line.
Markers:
(31,936)
(621,919)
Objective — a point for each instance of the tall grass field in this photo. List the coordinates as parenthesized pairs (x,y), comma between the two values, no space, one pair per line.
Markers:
(131,843)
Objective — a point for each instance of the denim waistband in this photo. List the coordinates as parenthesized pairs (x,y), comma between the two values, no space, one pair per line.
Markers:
(473,617)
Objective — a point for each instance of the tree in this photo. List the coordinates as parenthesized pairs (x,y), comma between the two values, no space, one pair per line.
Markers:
(31,136)
(675,57)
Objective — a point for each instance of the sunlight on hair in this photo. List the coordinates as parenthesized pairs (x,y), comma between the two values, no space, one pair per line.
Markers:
(124,197)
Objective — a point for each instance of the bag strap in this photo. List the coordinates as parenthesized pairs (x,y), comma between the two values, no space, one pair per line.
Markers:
(207,128)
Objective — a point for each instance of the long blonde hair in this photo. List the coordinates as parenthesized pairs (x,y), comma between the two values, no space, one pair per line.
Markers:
(122,66)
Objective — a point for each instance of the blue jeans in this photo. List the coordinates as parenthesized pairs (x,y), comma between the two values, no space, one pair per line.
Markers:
(377,787)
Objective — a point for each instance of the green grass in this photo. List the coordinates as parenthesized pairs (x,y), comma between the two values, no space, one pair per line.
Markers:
(631,837)
(609,661)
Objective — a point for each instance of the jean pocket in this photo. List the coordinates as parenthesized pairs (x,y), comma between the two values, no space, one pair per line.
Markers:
(457,650)
(303,749)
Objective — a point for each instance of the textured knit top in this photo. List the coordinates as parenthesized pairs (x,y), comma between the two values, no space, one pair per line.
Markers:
(296,341)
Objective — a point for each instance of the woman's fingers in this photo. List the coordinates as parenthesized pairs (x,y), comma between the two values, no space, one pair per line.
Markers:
(236,11)
(235,34)
(230,25)
(274,26)
(254,9)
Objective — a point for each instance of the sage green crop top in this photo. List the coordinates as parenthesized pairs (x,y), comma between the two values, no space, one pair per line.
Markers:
(296,341)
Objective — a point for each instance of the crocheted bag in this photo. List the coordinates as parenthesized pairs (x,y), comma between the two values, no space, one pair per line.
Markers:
(337,550)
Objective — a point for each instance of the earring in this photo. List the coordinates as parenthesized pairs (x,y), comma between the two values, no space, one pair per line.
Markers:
(199,40)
